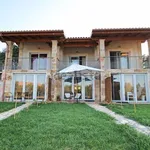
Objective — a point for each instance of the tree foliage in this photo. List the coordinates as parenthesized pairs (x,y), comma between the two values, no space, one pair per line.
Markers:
(15,53)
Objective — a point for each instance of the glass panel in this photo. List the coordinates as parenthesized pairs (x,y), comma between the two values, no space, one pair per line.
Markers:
(82,60)
(40,86)
(124,61)
(129,87)
(29,86)
(34,61)
(140,87)
(116,87)
(77,87)
(115,60)
(43,61)
(88,88)
(0,76)
(67,87)
(18,86)
(74,60)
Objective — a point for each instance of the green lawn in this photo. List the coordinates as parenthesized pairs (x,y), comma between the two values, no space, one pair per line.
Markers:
(67,127)
(142,114)
(4,106)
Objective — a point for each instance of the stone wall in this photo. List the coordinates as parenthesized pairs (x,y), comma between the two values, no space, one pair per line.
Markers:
(1,90)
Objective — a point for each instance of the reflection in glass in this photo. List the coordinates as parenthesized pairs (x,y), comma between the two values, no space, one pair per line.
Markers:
(43,61)
(40,86)
(140,87)
(116,87)
(29,86)
(34,61)
(18,86)
(78,87)
(129,87)
(67,86)
(88,88)
(124,62)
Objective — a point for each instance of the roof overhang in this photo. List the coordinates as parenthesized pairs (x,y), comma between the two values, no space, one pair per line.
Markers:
(121,34)
(31,36)
(79,42)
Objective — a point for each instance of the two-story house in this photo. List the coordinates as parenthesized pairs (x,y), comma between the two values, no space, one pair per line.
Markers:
(43,53)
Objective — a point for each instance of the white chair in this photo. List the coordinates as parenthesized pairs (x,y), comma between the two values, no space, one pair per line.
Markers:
(77,96)
(130,95)
(67,95)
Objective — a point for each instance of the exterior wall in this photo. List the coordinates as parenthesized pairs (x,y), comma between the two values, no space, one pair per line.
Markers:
(132,47)
(88,52)
(59,59)
(32,48)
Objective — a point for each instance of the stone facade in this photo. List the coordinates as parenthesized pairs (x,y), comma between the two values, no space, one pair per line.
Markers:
(59,59)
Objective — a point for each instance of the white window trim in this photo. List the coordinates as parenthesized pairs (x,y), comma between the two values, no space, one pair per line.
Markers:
(83,87)
(34,84)
(38,53)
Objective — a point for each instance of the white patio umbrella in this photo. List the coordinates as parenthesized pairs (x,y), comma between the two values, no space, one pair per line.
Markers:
(76,69)
(79,68)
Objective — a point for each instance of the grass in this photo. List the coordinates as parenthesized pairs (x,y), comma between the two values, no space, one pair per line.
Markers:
(4,106)
(68,127)
(142,114)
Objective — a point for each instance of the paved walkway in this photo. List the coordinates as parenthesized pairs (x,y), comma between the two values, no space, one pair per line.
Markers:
(13,111)
(121,119)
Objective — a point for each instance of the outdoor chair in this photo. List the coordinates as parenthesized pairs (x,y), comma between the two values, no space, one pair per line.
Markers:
(68,96)
(130,96)
(8,96)
(77,96)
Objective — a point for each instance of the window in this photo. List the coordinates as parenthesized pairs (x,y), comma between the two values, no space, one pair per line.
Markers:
(119,60)
(81,60)
(0,76)
(39,61)
(115,86)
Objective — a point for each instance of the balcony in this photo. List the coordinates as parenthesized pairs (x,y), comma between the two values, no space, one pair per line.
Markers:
(90,63)
(127,62)
(1,66)
(29,64)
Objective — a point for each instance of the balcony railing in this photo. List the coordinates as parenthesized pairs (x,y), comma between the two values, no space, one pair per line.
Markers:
(127,62)
(29,64)
(91,63)
(1,66)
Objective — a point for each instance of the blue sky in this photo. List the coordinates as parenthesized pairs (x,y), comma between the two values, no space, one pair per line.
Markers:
(75,17)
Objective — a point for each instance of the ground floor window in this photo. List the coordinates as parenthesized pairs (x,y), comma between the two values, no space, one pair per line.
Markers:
(80,87)
(129,87)
(29,86)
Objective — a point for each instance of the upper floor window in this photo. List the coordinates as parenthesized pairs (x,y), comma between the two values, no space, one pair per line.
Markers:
(0,76)
(119,60)
(39,61)
(81,60)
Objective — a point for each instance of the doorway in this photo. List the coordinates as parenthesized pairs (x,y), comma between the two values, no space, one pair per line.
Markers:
(81,87)
(129,87)
(29,86)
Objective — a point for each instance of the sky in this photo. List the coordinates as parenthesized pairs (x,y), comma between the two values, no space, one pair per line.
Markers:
(75,17)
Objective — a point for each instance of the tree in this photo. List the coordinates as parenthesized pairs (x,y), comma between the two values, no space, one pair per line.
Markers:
(15,55)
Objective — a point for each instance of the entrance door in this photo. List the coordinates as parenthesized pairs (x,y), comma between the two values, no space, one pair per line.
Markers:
(129,87)
(29,83)
(82,87)
(29,86)
(141,87)
(78,87)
